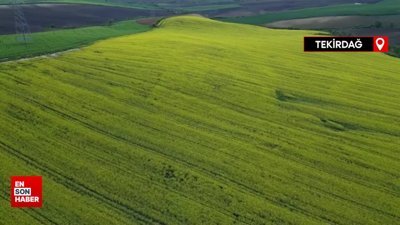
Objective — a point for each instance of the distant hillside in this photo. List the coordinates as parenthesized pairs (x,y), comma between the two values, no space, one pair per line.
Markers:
(204,122)
(211,6)
(134,3)
(383,7)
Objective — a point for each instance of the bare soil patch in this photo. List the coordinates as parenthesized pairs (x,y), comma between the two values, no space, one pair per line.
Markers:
(44,16)
(348,25)
(149,21)
(248,9)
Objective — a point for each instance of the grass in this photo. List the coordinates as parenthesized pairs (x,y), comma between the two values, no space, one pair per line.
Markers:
(204,122)
(385,7)
(60,40)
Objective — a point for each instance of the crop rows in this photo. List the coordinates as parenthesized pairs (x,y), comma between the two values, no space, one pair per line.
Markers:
(203,122)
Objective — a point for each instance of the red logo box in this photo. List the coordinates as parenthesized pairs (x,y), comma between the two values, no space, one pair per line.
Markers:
(26,192)
(381,44)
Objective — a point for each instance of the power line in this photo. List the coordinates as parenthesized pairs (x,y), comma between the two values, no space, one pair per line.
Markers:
(22,29)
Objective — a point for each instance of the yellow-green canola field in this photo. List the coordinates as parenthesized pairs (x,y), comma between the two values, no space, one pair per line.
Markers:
(203,122)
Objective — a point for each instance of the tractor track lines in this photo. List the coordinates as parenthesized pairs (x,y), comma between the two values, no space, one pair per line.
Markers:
(126,170)
(242,188)
(80,188)
(153,133)
(108,134)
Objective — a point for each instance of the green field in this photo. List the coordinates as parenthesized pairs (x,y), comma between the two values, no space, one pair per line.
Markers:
(59,40)
(384,7)
(204,122)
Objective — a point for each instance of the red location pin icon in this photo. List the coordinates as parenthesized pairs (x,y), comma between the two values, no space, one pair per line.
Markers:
(381,44)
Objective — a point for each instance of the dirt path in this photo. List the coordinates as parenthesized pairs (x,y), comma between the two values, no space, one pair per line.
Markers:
(52,55)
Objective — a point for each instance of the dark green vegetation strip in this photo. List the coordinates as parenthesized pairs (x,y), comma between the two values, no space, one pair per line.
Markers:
(59,40)
(203,122)
(385,7)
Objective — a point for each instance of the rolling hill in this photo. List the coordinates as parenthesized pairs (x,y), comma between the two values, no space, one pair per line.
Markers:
(203,122)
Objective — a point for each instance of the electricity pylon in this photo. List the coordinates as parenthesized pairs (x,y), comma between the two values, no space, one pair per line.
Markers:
(22,29)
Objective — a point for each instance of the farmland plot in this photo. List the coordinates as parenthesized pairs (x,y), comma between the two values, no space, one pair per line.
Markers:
(204,122)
